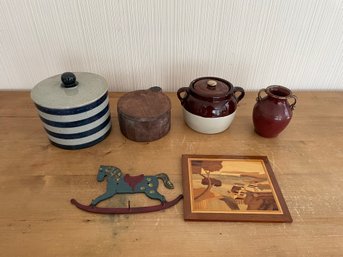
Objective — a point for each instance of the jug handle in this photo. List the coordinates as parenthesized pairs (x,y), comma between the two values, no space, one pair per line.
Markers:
(241,95)
(259,98)
(180,91)
(294,102)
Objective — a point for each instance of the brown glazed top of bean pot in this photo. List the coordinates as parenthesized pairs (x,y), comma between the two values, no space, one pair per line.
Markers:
(210,88)
(210,97)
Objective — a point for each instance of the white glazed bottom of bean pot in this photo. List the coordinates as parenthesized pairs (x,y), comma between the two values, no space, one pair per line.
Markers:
(208,125)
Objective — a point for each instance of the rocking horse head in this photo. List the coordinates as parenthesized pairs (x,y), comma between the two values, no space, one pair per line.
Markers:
(107,171)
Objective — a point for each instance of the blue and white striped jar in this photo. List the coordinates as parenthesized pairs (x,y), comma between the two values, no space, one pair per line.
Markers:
(74,108)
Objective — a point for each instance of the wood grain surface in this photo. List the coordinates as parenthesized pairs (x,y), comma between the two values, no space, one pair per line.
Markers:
(37,181)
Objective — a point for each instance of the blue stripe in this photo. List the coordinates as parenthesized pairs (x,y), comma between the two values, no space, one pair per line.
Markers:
(81,134)
(76,147)
(73,110)
(78,123)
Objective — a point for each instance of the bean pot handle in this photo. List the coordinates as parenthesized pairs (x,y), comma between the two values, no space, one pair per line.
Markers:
(241,95)
(183,97)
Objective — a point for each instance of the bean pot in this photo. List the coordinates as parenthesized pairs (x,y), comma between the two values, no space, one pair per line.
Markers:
(272,113)
(74,109)
(209,104)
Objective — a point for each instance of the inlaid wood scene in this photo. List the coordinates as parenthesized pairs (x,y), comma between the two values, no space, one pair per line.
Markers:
(237,186)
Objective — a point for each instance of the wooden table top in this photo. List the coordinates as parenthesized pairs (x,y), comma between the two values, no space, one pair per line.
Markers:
(37,181)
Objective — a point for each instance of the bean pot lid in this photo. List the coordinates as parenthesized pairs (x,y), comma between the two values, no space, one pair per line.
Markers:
(211,87)
(69,90)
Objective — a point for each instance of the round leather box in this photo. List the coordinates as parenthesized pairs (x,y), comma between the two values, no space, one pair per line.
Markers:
(144,115)
(74,109)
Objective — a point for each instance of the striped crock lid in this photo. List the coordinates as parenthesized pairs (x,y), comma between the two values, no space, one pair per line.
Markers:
(69,90)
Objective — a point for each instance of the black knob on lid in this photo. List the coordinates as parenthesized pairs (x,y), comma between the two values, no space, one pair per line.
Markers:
(69,80)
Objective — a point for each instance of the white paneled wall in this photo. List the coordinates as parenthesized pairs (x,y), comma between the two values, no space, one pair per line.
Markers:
(136,44)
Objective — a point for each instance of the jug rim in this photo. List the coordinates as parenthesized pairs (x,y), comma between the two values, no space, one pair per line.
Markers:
(278,91)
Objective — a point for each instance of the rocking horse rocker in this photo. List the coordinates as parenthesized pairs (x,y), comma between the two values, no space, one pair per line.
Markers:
(118,183)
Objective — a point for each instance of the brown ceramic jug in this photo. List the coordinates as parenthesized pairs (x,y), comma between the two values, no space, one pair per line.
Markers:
(272,113)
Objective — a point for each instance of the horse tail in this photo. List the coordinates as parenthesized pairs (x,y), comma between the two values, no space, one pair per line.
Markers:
(166,181)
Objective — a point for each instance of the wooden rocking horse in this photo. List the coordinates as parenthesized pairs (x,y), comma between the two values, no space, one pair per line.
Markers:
(118,183)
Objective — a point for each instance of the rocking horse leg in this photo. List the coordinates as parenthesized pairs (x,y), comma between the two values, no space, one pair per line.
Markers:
(102,197)
(155,195)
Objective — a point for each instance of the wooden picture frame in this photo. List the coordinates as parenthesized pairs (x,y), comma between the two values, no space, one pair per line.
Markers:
(231,188)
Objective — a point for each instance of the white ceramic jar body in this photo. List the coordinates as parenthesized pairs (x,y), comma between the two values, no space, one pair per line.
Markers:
(75,115)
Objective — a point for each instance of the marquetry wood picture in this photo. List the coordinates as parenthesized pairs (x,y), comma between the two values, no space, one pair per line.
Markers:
(232,188)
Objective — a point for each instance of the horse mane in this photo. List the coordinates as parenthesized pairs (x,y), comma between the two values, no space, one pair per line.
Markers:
(112,170)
